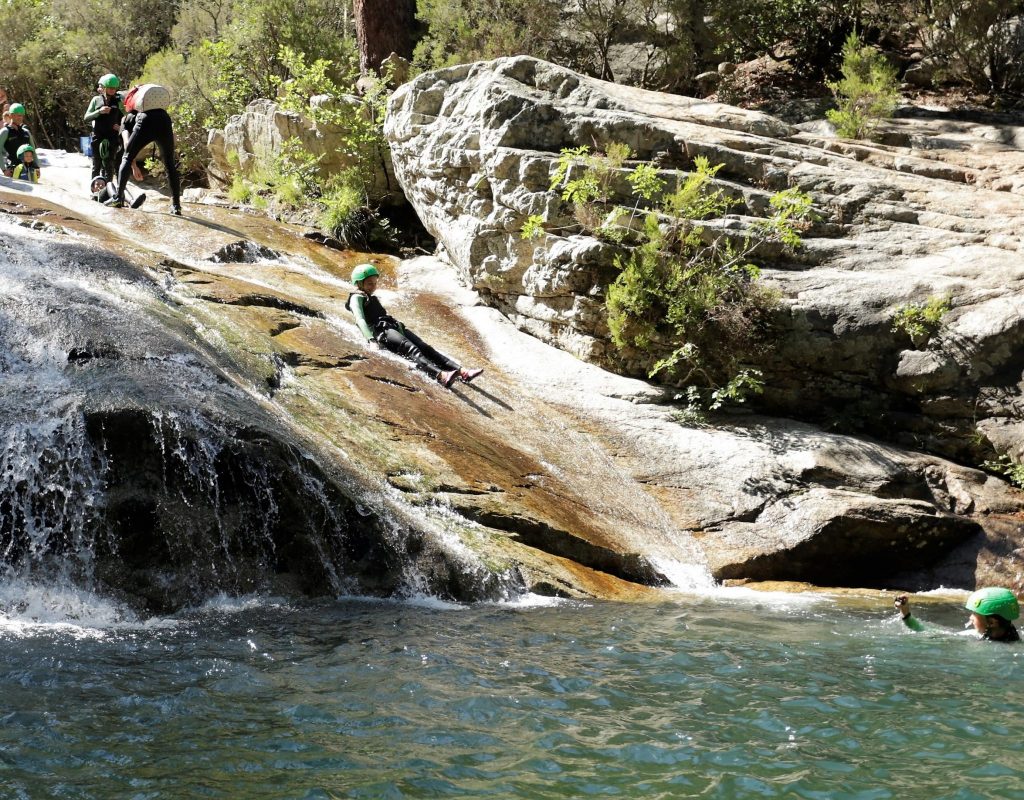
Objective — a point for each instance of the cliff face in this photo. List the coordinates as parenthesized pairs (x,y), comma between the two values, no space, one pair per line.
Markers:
(935,213)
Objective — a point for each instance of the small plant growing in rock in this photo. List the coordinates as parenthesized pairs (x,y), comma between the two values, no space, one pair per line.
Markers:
(1012,470)
(685,286)
(867,93)
(921,321)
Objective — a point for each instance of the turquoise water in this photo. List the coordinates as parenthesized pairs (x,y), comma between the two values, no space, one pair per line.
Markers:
(741,696)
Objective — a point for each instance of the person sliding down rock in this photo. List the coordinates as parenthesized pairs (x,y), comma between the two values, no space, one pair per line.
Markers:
(383,330)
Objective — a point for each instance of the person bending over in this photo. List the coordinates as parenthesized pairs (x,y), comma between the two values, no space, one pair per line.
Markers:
(140,128)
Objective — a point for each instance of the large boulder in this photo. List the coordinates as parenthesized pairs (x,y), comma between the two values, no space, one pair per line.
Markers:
(933,215)
(253,140)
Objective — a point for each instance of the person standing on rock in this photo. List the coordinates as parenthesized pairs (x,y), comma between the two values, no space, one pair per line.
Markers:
(13,135)
(992,610)
(145,122)
(383,330)
(105,112)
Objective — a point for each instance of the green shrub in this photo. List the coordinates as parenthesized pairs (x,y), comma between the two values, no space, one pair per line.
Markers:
(867,93)
(683,285)
(920,321)
(240,191)
(346,214)
(1012,470)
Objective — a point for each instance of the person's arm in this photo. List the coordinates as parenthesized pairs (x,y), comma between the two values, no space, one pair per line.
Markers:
(902,605)
(359,311)
(93,111)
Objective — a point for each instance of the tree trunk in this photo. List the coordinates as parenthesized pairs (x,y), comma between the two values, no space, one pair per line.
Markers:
(383,27)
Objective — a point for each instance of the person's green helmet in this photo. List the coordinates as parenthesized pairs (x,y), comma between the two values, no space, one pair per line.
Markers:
(25,148)
(16,108)
(110,81)
(994,600)
(363,271)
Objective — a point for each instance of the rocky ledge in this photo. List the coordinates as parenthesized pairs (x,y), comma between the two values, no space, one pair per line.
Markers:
(935,212)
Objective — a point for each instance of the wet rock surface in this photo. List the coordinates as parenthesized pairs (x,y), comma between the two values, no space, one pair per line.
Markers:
(260,445)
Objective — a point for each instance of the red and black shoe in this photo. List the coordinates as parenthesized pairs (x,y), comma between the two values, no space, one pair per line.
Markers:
(446,379)
(466,375)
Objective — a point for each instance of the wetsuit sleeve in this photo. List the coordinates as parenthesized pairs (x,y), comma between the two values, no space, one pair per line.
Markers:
(913,623)
(93,111)
(358,303)
(3,137)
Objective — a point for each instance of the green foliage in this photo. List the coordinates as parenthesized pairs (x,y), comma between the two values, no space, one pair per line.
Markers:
(533,228)
(684,287)
(807,33)
(920,321)
(459,31)
(972,41)
(1012,470)
(344,204)
(867,93)
(240,190)
(582,35)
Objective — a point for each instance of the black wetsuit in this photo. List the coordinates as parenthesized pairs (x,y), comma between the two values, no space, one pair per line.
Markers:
(16,137)
(391,334)
(146,127)
(103,131)
(1011,634)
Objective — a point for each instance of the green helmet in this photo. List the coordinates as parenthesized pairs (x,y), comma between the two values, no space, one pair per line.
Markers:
(994,600)
(110,81)
(25,148)
(16,108)
(363,271)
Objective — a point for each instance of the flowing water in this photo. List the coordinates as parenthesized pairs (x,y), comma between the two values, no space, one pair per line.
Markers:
(722,695)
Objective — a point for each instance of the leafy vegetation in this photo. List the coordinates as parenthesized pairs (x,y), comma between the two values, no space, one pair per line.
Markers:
(920,321)
(867,93)
(686,285)
(1012,470)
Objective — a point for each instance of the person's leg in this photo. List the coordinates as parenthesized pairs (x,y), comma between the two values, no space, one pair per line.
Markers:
(97,162)
(141,136)
(402,345)
(165,143)
(438,358)
(110,163)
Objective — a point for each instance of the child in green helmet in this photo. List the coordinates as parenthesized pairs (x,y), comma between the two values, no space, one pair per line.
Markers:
(383,330)
(992,610)
(28,167)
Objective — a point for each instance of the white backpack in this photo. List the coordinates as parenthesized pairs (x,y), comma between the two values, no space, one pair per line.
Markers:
(152,95)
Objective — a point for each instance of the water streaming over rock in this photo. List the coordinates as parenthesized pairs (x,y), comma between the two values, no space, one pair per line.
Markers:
(131,463)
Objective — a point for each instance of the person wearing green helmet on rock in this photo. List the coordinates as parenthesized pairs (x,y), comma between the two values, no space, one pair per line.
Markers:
(105,112)
(992,611)
(28,167)
(382,330)
(13,135)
